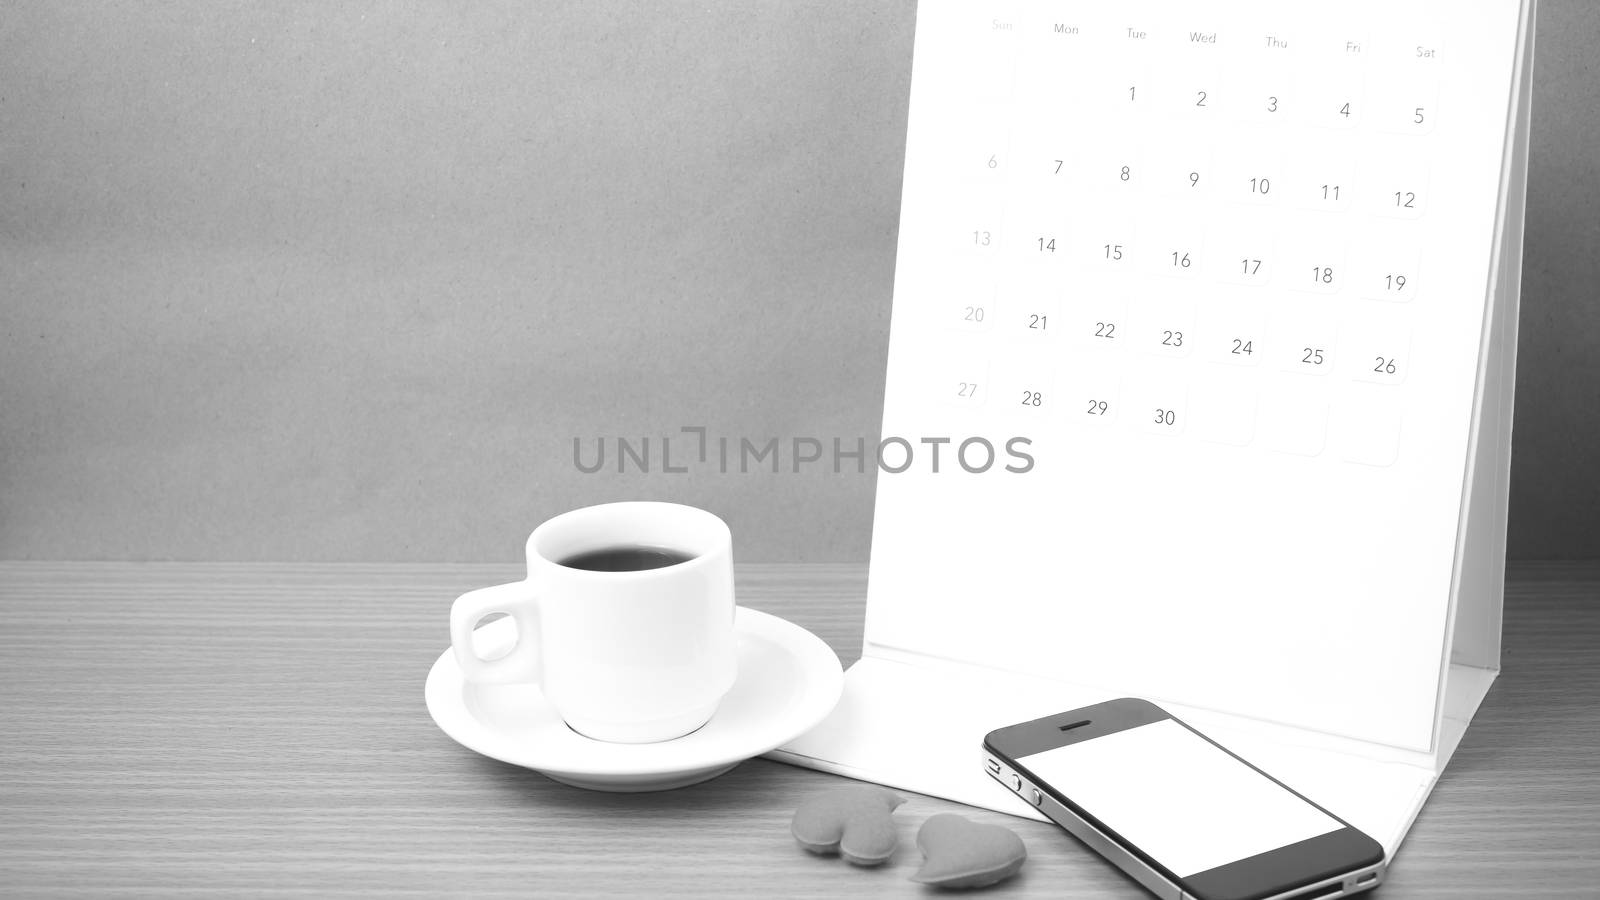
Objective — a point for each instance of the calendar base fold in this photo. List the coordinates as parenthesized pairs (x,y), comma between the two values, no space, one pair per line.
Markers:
(918,724)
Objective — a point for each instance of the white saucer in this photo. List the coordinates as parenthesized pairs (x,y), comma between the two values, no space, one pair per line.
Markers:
(789,681)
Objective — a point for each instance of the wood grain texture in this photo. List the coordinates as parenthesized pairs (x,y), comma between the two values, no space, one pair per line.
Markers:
(208,729)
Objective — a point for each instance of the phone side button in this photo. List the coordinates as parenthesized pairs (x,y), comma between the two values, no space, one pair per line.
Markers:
(992,764)
(1038,798)
(1016,782)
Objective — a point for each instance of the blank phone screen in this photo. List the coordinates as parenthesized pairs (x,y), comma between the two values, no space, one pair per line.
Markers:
(1177,797)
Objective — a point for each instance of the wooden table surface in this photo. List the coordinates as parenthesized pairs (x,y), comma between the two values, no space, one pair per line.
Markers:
(208,729)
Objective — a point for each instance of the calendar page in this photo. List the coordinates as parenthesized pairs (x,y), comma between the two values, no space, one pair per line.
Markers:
(1224,266)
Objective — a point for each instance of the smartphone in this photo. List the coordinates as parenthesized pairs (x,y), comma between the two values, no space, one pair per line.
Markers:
(1177,811)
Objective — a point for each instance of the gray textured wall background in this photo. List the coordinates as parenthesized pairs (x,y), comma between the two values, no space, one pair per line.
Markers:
(341,281)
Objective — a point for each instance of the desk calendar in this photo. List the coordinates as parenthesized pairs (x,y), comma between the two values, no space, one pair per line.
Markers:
(1246,276)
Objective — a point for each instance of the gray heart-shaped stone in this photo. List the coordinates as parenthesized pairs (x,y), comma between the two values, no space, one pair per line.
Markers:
(854,822)
(960,853)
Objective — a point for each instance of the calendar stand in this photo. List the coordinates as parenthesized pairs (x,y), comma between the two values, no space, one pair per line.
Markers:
(914,712)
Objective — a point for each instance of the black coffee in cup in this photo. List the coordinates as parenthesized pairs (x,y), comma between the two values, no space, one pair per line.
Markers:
(625,559)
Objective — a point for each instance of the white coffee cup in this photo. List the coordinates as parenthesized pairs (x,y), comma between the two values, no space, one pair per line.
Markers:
(630,656)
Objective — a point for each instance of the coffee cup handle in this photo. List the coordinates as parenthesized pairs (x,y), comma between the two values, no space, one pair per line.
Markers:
(521,663)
